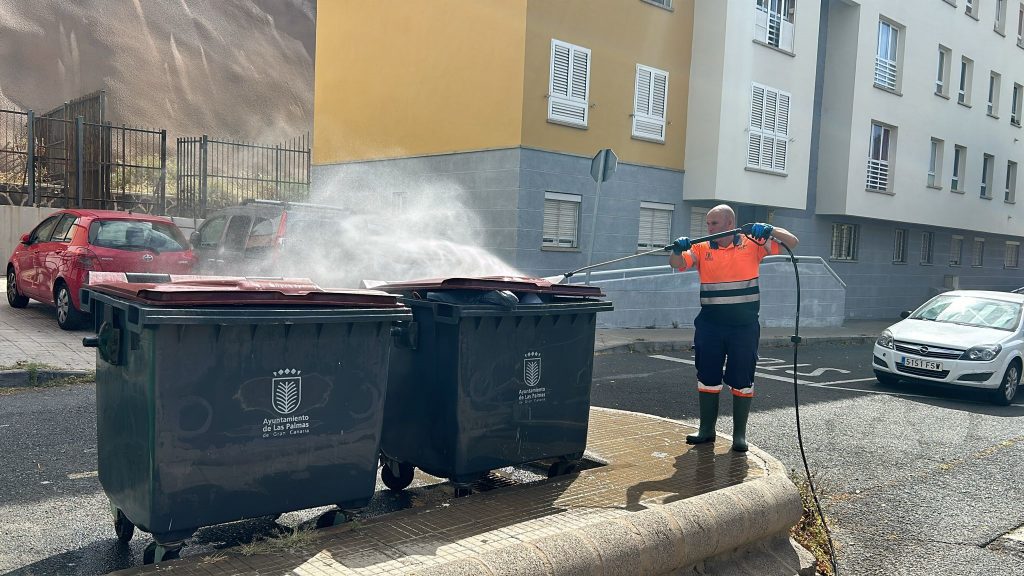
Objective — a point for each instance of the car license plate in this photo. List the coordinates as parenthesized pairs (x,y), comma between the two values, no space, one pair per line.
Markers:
(922,364)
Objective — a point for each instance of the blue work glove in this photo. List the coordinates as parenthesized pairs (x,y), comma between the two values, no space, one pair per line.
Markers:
(681,244)
(758,230)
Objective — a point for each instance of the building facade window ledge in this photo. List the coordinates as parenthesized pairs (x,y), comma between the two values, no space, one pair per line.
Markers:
(934,187)
(763,171)
(883,192)
(776,48)
(892,91)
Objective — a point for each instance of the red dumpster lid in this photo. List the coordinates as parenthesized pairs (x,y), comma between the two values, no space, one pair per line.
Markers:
(185,290)
(511,283)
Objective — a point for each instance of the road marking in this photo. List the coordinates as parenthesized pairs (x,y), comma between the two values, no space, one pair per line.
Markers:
(761,374)
(80,475)
(819,371)
(847,381)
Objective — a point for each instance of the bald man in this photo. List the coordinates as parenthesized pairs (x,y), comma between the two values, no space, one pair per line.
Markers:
(726,331)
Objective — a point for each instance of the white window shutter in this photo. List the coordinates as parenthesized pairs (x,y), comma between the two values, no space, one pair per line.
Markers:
(768,134)
(643,91)
(560,70)
(650,100)
(570,84)
(761,25)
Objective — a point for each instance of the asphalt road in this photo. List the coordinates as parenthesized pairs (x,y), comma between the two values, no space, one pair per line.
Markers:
(917,481)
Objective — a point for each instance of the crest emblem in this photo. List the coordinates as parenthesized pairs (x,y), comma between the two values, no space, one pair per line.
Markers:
(147,257)
(531,369)
(286,390)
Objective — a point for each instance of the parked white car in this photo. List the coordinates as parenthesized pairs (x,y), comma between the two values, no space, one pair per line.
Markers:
(970,338)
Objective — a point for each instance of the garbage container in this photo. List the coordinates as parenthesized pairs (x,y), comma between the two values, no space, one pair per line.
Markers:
(219,399)
(499,374)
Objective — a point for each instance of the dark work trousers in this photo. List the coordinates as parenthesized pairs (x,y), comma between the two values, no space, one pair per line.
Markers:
(734,347)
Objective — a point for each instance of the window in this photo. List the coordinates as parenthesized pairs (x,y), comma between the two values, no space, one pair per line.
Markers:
(1015,105)
(1010,192)
(935,164)
(63,230)
(667,4)
(1000,24)
(927,242)
(768,136)
(956,245)
(959,168)
(886,58)
(649,100)
(971,10)
(570,84)
(878,157)
(1020,26)
(698,222)
(655,225)
(966,75)
(773,23)
(978,253)
(844,242)
(561,220)
(993,94)
(899,250)
(942,75)
(1012,257)
(986,175)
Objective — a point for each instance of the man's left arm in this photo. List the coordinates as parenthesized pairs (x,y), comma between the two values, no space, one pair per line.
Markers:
(786,237)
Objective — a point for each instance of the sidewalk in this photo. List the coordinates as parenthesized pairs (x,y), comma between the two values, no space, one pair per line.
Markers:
(655,506)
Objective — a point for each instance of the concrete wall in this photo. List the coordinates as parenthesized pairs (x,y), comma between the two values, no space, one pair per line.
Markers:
(672,300)
(15,221)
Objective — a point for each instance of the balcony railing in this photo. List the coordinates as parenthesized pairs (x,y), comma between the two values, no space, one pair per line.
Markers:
(878,175)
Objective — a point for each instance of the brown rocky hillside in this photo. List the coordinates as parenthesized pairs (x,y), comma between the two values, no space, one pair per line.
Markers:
(238,69)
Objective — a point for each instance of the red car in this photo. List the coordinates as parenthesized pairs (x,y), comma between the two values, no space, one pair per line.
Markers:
(53,260)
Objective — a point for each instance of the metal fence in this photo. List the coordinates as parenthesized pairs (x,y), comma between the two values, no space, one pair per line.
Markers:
(216,173)
(62,163)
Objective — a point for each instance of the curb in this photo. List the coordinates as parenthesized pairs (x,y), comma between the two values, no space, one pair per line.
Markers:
(20,378)
(696,533)
(654,347)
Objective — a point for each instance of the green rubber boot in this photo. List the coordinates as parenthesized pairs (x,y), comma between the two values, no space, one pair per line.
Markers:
(708,417)
(740,411)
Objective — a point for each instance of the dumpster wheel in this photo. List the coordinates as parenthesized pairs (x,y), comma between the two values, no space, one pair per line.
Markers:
(156,553)
(398,482)
(563,467)
(123,527)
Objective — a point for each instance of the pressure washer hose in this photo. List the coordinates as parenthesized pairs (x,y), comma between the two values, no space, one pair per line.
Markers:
(795,339)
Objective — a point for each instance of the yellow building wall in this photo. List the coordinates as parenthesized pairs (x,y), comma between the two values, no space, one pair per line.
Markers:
(396,78)
(620,34)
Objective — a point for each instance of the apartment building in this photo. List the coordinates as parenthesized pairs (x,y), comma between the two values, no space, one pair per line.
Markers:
(887,135)
(914,174)
(502,105)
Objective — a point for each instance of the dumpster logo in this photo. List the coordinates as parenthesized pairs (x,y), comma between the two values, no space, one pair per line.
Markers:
(286,390)
(531,369)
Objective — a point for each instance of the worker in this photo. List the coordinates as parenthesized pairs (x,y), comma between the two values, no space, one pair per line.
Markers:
(726,331)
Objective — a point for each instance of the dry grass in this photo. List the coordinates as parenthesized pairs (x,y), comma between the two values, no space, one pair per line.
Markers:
(809,531)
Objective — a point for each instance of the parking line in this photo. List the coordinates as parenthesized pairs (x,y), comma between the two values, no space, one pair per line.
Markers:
(761,374)
(847,381)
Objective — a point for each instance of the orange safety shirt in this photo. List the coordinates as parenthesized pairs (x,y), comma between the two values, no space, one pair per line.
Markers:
(729,292)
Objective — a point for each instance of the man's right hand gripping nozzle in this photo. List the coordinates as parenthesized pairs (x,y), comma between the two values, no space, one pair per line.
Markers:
(680,245)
